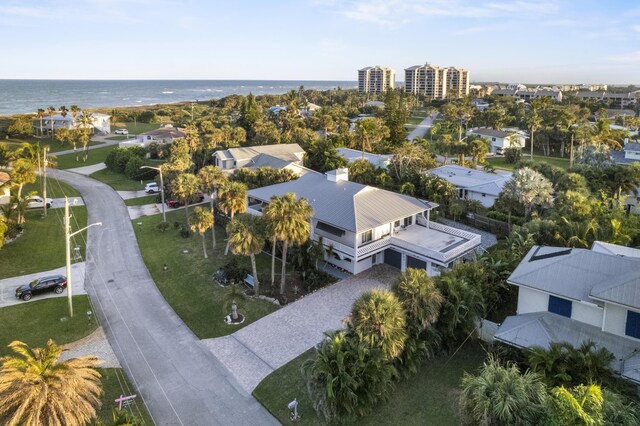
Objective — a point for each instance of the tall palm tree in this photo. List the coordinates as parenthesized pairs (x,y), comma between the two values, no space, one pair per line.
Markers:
(246,237)
(37,389)
(51,110)
(86,129)
(40,115)
(288,219)
(379,320)
(420,297)
(184,187)
(369,131)
(202,220)
(74,113)
(232,200)
(211,178)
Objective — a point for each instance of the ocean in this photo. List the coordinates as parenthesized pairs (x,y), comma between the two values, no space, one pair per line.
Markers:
(24,96)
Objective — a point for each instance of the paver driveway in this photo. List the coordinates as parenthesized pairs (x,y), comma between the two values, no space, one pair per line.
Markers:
(253,352)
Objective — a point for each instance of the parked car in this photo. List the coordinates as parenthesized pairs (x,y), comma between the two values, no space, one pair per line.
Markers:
(36,201)
(173,203)
(121,132)
(151,188)
(55,283)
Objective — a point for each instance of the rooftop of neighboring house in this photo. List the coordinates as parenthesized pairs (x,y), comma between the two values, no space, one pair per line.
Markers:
(589,94)
(615,249)
(580,274)
(291,152)
(485,131)
(509,92)
(347,205)
(166,132)
(632,146)
(477,180)
(69,116)
(548,92)
(4,178)
(375,104)
(352,155)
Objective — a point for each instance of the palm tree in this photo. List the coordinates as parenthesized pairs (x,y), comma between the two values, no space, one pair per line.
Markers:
(534,121)
(51,110)
(23,172)
(202,220)
(288,220)
(463,305)
(420,297)
(74,113)
(211,178)
(379,320)
(502,395)
(184,187)
(86,129)
(369,131)
(246,237)
(232,200)
(530,188)
(37,389)
(582,405)
(40,115)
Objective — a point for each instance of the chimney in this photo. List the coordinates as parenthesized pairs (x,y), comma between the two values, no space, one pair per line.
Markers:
(338,175)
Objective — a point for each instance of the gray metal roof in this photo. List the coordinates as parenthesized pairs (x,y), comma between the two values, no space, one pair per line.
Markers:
(484,131)
(346,205)
(580,274)
(614,249)
(288,152)
(632,146)
(265,160)
(618,157)
(476,180)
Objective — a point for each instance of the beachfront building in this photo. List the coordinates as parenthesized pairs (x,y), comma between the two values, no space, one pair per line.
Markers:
(500,139)
(361,226)
(279,156)
(426,80)
(472,184)
(457,82)
(100,123)
(578,295)
(162,135)
(376,79)
(527,95)
(5,195)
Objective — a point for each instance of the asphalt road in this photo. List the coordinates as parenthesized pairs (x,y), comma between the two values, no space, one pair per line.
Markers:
(181,382)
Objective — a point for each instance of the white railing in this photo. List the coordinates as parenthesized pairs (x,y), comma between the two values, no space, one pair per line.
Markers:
(336,245)
(453,231)
(373,246)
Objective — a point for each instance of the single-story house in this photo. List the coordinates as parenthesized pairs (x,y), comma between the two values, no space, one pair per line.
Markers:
(378,160)
(277,156)
(576,295)
(500,139)
(100,123)
(161,136)
(629,155)
(473,184)
(375,104)
(360,226)
(5,195)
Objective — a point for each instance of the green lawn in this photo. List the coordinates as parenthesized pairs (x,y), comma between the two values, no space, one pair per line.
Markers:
(55,188)
(136,128)
(114,384)
(141,201)
(117,181)
(54,145)
(415,120)
(41,246)
(98,155)
(188,284)
(501,163)
(119,138)
(428,397)
(40,320)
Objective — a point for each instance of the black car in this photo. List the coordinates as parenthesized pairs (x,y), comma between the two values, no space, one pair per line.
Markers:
(55,283)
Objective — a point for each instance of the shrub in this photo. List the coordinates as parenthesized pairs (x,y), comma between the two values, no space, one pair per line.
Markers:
(163,226)
(235,270)
(132,169)
(512,155)
(315,280)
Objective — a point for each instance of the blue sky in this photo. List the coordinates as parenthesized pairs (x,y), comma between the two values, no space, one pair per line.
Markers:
(532,41)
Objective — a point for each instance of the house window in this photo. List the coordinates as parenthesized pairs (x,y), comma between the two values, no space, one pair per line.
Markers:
(396,223)
(560,306)
(408,220)
(632,328)
(493,139)
(367,236)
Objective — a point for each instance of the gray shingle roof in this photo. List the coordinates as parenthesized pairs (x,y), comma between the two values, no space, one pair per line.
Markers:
(484,131)
(347,205)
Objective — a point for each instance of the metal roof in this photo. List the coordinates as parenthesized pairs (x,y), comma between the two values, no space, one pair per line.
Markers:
(347,205)
(476,180)
(287,152)
(484,131)
(614,249)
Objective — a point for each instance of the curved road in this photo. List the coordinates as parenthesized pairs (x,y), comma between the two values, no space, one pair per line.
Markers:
(181,382)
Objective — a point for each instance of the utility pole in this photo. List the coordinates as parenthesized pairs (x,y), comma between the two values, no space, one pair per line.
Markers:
(67,236)
(44,179)
(159,169)
(571,152)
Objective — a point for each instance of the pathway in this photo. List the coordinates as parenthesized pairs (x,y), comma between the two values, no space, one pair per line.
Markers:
(422,128)
(87,170)
(8,285)
(253,352)
(178,378)
(95,344)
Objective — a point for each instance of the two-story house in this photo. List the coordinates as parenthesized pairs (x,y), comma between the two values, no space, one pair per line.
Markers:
(576,295)
(100,123)
(361,226)
(276,156)
(500,139)
(473,184)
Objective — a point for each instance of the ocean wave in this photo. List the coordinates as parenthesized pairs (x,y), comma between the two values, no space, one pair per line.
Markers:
(167,92)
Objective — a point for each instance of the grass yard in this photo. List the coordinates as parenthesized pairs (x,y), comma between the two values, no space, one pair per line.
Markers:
(55,188)
(141,201)
(118,138)
(415,120)
(188,285)
(428,397)
(136,128)
(54,145)
(40,320)
(114,384)
(41,246)
(501,163)
(117,181)
(98,155)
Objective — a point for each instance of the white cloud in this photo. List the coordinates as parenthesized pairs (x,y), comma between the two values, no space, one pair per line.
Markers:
(22,12)
(626,57)
(472,30)
(636,28)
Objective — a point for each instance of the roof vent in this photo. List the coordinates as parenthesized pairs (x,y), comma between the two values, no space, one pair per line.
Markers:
(338,175)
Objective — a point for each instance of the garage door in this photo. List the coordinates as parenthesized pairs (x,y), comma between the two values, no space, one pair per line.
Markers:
(412,262)
(393,258)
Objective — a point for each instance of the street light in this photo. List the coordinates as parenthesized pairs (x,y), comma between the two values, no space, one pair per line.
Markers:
(67,236)
(159,169)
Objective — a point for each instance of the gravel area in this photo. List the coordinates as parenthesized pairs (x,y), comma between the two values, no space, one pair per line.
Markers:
(95,344)
(253,352)
(488,239)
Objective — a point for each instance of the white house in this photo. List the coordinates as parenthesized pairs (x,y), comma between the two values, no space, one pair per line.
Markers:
(161,136)
(361,226)
(473,184)
(99,122)
(5,196)
(276,156)
(378,160)
(500,139)
(575,295)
